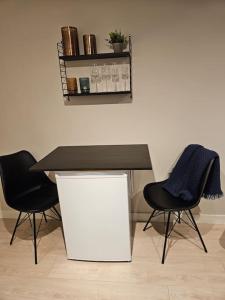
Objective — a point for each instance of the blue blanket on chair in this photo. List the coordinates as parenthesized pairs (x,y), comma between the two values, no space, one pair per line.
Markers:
(186,177)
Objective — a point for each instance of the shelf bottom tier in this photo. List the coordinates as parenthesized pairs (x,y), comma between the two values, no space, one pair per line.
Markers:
(99,93)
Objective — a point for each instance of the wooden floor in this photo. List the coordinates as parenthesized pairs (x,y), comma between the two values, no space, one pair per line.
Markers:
(188,273)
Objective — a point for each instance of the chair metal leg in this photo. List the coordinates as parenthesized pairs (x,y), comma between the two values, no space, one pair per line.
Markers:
(166,236)
(179,217)
(146,225)
(58,214)
(164,221)
(196,227)
(34,236)
(14,231)
(45,217)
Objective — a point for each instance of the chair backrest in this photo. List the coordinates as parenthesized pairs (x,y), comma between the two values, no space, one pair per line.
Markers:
(16,178)
(205,178)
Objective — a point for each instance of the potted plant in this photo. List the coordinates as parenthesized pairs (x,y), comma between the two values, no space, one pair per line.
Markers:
(117,41)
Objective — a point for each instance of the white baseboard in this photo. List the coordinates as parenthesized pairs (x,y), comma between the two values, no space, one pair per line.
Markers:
(203,218)
(13,214)
(9,213)
(139,217)
(210,219)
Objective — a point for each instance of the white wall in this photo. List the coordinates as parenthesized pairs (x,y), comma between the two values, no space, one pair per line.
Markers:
(178,70)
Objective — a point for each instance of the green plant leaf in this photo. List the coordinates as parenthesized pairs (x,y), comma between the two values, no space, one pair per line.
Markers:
(116,37)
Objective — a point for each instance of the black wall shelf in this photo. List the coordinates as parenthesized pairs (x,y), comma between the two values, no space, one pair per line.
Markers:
(63,69)
(95,56)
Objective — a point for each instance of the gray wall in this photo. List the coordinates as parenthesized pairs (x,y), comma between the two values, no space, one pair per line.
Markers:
(178,70)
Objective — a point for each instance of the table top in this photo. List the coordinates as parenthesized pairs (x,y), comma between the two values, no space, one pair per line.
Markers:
(96,158)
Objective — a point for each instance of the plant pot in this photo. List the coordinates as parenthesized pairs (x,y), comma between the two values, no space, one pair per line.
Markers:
(117,47)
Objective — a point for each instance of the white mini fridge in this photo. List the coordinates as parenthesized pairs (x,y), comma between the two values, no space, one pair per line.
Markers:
(96,215)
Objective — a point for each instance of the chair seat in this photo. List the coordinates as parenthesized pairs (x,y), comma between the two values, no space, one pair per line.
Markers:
(38,200)
(160,199)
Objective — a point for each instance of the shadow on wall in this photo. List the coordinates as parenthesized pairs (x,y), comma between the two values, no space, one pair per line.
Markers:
(5,211)
(98,100)
(139,206)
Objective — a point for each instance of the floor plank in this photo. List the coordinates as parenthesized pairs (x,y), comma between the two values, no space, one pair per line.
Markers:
(188,273)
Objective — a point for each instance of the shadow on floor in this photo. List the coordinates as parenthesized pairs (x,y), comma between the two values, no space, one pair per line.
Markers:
(222,240)
(24,231)
(181,232)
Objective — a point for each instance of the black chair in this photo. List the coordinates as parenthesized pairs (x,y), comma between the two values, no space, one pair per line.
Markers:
(27,192)
(162,202)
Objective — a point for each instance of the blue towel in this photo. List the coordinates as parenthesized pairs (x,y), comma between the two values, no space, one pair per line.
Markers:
(186,177)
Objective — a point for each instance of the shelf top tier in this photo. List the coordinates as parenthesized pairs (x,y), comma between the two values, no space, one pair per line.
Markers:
(95,56)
